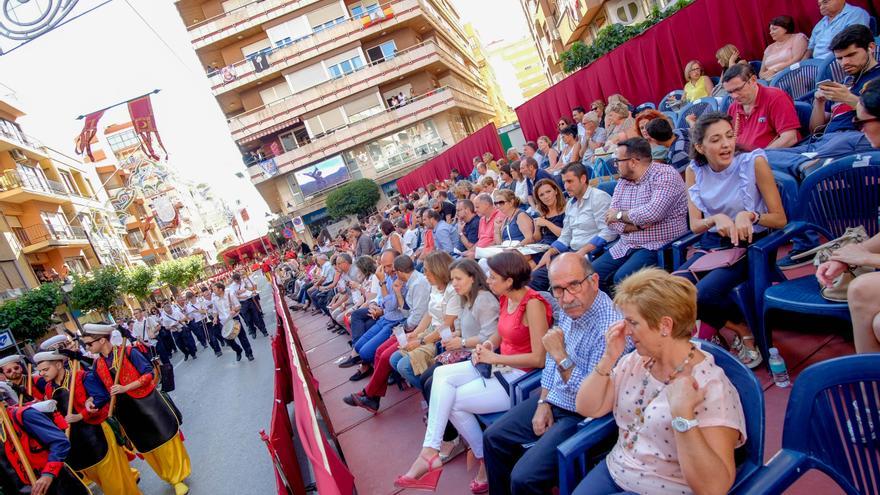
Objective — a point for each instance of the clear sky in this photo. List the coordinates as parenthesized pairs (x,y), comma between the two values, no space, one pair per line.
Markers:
(110,55)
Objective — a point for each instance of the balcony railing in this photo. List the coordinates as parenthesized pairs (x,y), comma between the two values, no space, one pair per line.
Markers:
(13,179)
(242,72)
(35,234)
(347,136)
(282,110)
(251,14)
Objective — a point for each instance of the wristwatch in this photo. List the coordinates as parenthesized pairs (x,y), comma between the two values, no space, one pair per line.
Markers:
(682,425)
(542,401)
(619,216)
(565,365)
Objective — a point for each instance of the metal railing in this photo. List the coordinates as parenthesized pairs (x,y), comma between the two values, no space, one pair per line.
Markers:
(35,234)
(13,179)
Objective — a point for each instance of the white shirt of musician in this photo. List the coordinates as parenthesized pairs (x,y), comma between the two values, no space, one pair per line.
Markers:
(247,287)
(194,311)
(174,320)
(225,305)
(142,328)
(208,304)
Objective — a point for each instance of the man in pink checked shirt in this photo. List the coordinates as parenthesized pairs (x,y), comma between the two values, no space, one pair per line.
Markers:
(648,210)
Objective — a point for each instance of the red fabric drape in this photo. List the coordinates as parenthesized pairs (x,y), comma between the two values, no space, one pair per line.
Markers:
(650,65)
(460,157)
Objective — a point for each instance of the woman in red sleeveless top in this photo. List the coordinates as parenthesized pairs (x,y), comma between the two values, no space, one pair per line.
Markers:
(460,392)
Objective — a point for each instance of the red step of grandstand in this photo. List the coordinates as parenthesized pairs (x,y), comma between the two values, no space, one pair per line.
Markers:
(379,447)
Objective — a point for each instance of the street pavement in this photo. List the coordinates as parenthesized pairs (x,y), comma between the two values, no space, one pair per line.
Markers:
(225,404)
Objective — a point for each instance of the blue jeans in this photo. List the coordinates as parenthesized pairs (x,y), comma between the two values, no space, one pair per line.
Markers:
(599,482)
(361,321)
(403,366)
(367,345)
(612,271)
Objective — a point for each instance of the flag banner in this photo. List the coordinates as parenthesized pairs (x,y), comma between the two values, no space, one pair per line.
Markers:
(244,215)
(269,167)
(260,61)
(90,128)
(141,112)
(228,74)
(378,16)
(275,147)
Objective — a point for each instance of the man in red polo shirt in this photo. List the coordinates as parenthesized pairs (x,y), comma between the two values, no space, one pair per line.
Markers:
(763,117)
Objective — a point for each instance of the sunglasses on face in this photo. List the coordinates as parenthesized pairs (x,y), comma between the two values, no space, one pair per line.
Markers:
(499,203)
(859,124)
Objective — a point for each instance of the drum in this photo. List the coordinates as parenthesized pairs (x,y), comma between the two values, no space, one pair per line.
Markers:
(230,329)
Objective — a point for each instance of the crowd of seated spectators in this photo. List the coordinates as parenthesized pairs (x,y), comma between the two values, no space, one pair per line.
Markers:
(452,288)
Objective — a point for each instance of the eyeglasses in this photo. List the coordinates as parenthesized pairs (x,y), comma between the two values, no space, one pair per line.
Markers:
(89,343)
(499,203)
(859,124)
(595,108)
(740,88)
(573,288)
(617,161)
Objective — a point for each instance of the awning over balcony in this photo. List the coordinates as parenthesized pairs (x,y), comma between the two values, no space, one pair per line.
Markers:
(269,130)
(460,157)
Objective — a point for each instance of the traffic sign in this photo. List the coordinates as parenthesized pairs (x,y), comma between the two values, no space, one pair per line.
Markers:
(287,233)
(6,339)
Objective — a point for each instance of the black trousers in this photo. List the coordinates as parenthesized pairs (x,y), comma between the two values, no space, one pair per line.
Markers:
(199,331)
(253,318)
(512,468)
(184,340)
(242,338)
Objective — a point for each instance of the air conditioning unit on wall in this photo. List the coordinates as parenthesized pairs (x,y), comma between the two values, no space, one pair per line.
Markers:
(18,156)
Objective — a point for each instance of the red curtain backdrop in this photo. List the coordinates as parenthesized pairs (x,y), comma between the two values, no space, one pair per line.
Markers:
(649,66)
(460,156)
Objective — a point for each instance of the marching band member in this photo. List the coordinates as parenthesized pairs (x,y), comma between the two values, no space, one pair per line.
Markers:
(36,446)
(94,450)
(226,307)
(175,321)
(123,378)
(214,337)
(196,315)
(246,292)
(19,375)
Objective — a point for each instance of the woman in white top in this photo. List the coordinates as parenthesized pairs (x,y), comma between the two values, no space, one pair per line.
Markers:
(393,240)
(546,148)
(571,152)
(521,185)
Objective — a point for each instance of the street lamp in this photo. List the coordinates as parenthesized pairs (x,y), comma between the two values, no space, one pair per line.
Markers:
(66,288)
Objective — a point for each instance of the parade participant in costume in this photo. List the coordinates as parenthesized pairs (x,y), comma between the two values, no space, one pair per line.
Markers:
(246,292)
(176,322)
(94,450)
(58,342)
(123,378)
(225,307)
(214,336)
(196,315)
(35,445)
(22,379)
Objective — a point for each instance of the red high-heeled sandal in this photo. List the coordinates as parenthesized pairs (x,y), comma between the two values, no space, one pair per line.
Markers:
(427,481)
(478,488)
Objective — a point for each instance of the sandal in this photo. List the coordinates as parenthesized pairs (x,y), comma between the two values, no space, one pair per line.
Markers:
(457,448)
(427,481)
(749,357)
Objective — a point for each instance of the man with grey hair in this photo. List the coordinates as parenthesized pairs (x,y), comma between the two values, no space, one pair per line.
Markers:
(595,135)
(485,209)
(513,155)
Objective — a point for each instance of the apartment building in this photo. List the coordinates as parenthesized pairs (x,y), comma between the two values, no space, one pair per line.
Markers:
(503,113)
(54,220)
(522,55)
(556,24)
(319,92)
(163,213)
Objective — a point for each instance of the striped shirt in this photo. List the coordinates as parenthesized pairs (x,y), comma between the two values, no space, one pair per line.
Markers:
(657,203)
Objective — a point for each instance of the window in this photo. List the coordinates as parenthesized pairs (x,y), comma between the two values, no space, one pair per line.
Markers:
(77,265)
(345,67)
(417,142)
(328,24)
(123,140)
(68,182)
(11,282)
(275,94)
(288,141)
(627,13)
(32,177)
(256,48)
(56,225)
(383,52)
(179,252)
(358,11)
(135,238)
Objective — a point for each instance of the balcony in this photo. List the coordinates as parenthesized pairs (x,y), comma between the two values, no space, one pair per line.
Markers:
(42,237)
(248,16)
(243,73)
(16,187)
(11,138)
(419,108)
(263,120)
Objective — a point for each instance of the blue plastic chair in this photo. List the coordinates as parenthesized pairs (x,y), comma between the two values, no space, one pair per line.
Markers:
(844,193)
(663,106)
(696,107)
(832,423)
(608,186)
(644,106)
(520,390)
(579,453)
(799,79)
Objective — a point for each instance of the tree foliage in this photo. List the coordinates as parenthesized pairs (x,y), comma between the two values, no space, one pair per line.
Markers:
(98,290)
(30,316)
(139,281)
(612,36)
(358,196)
(181,272)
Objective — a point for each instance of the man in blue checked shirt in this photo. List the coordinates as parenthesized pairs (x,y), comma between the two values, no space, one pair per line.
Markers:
(573,348)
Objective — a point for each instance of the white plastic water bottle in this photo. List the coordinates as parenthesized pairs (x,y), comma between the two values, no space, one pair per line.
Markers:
(778,369)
